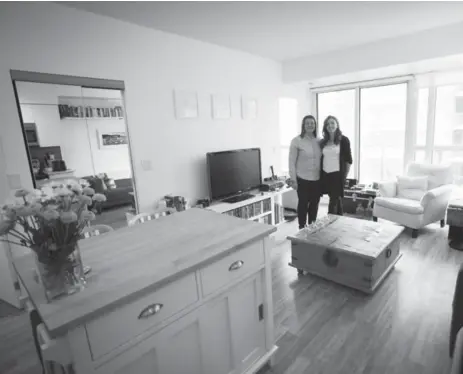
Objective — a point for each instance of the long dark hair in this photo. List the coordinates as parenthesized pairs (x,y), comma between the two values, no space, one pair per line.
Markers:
(309,116)
(326,134)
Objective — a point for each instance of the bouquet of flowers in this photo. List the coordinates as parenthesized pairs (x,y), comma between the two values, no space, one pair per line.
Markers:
(50,221)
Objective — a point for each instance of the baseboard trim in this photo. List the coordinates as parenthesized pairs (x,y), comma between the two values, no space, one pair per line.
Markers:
(262,361)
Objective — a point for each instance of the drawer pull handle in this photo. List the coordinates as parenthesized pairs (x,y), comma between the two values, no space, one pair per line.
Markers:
(388,253)
(236,265)
(150,310)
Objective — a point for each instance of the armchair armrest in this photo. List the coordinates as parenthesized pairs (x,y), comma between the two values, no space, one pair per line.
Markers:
(434,203)
(437,196)
(387,188)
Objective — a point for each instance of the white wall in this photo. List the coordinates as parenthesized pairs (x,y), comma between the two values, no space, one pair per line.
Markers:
(78,138)
(430,44)
(51,38)
(301,93)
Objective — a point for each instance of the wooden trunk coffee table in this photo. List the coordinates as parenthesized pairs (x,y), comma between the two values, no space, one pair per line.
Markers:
(353,252)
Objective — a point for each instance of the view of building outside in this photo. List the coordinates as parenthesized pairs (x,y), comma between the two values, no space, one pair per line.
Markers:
(448,131)
(382,132)
(340,104)
(422,117)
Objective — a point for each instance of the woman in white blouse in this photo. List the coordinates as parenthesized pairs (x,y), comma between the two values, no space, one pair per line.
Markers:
(304,170)
(336,161)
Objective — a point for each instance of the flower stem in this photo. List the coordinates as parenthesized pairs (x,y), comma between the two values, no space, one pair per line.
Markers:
(18,235)
(10,242)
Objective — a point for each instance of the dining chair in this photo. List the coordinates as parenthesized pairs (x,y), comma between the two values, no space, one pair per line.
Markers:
(96,230)
(144,217)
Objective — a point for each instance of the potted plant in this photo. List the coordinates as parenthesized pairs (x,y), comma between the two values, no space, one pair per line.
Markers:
(50,221)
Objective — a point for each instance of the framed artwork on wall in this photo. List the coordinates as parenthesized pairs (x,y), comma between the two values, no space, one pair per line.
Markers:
(109,140)
(221,106)
(186,104)
(248,107)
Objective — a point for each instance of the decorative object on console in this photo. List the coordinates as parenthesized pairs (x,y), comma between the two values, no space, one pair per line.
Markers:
(221,106)
(248,107)
(58,165)
(204,203)
(52,220)
(350,183)
(272,185)
(186,104)
(179,203)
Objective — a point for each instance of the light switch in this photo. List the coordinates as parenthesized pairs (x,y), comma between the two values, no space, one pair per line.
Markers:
(14,181)
(146,165)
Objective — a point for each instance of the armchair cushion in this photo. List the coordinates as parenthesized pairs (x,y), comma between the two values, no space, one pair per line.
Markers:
(400,204)
(412,188)
(387,188)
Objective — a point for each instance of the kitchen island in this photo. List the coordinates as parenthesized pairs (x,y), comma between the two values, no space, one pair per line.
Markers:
(187,293)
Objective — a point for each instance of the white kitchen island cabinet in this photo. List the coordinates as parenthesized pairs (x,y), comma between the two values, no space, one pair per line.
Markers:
(188,293)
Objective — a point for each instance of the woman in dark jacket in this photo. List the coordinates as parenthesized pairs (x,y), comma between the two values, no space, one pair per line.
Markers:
(336,161)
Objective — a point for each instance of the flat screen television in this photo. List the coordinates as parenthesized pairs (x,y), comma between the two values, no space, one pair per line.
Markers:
(233,172)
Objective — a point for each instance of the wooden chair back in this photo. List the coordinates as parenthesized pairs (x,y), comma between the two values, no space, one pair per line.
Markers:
(144,217)
(96,230)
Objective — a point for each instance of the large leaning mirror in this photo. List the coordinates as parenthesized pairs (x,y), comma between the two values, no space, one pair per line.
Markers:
(78,133)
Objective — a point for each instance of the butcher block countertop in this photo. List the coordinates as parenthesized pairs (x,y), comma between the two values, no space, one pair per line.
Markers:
(132,261)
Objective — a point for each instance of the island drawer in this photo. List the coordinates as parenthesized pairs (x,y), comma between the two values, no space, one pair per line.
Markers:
(231,267)
(118,327)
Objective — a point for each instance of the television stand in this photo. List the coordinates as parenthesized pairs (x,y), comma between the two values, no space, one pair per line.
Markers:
(264,207)
(238,198)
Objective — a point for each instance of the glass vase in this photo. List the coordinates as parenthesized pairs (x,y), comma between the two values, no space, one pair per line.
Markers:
(61,274)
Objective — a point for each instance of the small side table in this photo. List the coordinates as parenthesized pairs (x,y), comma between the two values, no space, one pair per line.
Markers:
(455,222)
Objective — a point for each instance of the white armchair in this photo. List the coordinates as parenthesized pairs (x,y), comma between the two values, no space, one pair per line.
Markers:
(416,200)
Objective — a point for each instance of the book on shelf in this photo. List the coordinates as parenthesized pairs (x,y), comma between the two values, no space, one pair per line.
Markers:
(251,210)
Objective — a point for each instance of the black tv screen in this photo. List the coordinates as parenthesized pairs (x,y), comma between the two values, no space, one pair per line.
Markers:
(232,172)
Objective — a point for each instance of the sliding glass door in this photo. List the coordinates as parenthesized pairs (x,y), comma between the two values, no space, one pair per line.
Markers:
(382,132)
(374,119)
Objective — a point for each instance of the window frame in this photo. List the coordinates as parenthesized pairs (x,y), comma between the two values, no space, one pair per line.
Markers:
(410,120)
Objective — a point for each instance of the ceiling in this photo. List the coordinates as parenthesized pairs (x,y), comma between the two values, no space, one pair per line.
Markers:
(283,30)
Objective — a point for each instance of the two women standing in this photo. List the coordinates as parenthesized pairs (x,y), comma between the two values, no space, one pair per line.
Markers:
(318,167)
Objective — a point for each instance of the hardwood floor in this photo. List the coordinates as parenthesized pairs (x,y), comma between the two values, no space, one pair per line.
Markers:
(325,328)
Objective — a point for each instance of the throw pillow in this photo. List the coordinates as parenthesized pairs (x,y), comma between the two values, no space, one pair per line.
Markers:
(412,188)
(99,186)
(110,183)
(102,177)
